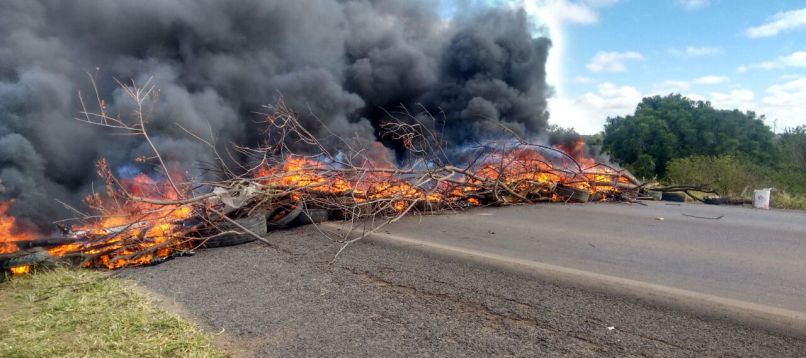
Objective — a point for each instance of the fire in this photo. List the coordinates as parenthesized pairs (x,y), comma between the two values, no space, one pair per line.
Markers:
(521,168)
(133,234)
(578,150)
(136,232)
(8,231)
(300,173)
(20,270)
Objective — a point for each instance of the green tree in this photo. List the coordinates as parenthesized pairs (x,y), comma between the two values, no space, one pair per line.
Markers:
(644,166)
(793,147)
(668,127)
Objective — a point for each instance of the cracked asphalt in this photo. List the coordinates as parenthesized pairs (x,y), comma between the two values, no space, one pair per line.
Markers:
(378,300)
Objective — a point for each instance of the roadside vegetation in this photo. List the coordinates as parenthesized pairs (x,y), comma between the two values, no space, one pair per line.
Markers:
(681,141)
(83,313)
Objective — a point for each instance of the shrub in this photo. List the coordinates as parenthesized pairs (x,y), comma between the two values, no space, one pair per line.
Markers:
(784,200)
(728,175)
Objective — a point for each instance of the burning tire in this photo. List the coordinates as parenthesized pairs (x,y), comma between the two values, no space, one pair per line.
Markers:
(573,194)
(23,258)
(27,258)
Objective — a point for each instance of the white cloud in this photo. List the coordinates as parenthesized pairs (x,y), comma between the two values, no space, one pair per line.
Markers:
(583,80)
(795,59)
(782,21)
(792,93)
(743,99)
(671,86)
(693,4)
(695,97)
(553,17)
(786,103)
(677,86)
(600,3)
(588,112)
(573,13)
(564,11)
(605,61)
(710,80)
(696,51)
(789,76)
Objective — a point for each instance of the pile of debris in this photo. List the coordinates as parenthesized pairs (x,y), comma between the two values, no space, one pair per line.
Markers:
(143,220)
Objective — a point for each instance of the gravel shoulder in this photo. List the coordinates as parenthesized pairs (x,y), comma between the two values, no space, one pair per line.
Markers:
(379,300)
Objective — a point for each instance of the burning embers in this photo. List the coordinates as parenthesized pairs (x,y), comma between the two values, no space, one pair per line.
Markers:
(144,219)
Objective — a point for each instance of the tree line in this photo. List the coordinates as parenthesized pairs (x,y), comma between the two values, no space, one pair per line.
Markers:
(664,130)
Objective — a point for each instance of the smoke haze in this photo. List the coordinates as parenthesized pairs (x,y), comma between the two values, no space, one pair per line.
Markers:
(216,63)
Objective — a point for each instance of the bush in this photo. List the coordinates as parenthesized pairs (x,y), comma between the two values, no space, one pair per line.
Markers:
(644,167)
(784,200)
(728,175)
(789,178)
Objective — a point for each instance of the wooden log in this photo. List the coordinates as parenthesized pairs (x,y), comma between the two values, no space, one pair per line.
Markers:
(46,242)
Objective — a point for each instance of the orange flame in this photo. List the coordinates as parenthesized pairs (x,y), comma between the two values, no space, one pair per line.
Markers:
(138,233)
(524,167)
(20,270)
(133,234)
(299,173)
(8,231)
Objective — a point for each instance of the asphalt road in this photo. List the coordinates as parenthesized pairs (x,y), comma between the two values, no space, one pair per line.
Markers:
(747,255)
(288,300)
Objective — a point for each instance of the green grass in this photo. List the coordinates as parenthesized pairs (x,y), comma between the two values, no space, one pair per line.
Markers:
(83,313)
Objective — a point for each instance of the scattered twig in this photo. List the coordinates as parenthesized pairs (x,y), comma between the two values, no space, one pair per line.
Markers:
(704,217)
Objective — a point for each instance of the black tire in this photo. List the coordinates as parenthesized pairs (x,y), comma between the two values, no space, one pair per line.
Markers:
(255,223)
(227,240)
(574,194)
(429,206)
(24,258)
(311,216)
(674,197)
(286,220)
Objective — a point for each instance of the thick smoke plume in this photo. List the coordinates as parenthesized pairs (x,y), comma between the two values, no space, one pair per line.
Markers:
(216,62)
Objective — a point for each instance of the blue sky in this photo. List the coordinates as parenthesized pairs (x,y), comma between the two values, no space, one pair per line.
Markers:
(608,54)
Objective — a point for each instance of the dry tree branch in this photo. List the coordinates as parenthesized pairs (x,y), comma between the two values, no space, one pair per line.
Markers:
(293,172)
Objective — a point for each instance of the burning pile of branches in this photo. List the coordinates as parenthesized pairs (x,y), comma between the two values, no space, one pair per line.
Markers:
(295,179)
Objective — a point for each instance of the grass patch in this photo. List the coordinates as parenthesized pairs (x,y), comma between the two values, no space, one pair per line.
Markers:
(79,313)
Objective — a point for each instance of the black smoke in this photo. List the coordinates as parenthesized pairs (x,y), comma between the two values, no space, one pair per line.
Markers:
(216,63)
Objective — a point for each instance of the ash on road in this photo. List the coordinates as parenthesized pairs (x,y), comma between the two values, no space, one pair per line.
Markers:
(380,300)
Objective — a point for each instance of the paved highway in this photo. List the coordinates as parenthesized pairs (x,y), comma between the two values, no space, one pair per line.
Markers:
(419,289)
(747,255)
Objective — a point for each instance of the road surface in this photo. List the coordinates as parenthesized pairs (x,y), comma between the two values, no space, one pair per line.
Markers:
(741,254)
(379,299)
